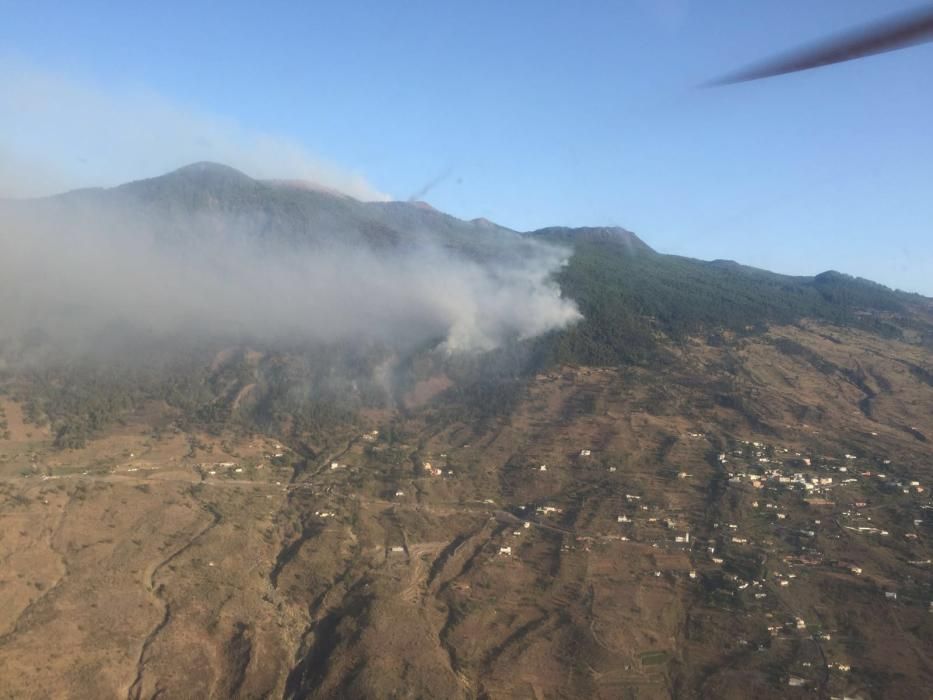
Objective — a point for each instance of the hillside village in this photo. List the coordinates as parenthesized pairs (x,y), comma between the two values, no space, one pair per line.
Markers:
(669,539)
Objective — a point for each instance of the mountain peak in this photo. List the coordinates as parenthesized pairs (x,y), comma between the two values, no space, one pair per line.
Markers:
(613,235)
(191,183)
(206,168)
(199,175)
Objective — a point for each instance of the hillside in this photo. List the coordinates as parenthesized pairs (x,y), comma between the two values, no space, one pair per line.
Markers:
(683,479)
(278,211)
(637,305)
(628,293)
(236,563)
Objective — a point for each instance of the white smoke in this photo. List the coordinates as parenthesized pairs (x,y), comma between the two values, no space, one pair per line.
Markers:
(59,133)
(94,272)
(77,279)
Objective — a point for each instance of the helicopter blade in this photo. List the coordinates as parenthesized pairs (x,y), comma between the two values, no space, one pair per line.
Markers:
(889,35)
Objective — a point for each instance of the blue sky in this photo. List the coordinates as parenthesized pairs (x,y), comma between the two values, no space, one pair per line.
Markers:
(540,113)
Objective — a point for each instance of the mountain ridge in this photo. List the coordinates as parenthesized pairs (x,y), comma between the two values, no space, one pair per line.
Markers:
(640,311)
(213,179)
(619,281)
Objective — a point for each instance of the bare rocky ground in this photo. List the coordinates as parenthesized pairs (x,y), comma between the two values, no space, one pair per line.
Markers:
(148,566)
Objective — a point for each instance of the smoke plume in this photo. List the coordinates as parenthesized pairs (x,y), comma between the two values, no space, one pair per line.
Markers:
(85,277)
(59,132)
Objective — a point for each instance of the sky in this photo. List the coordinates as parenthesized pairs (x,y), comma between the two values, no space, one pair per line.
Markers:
(530,114)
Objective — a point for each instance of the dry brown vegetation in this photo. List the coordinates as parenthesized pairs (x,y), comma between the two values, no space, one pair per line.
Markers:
(130,570)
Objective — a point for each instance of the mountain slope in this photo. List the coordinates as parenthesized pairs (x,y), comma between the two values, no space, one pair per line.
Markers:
(286,212)
(629,294)
(714,484)
(637,305)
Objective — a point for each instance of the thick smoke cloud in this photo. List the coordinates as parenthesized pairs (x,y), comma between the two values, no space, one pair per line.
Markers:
(79,277)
